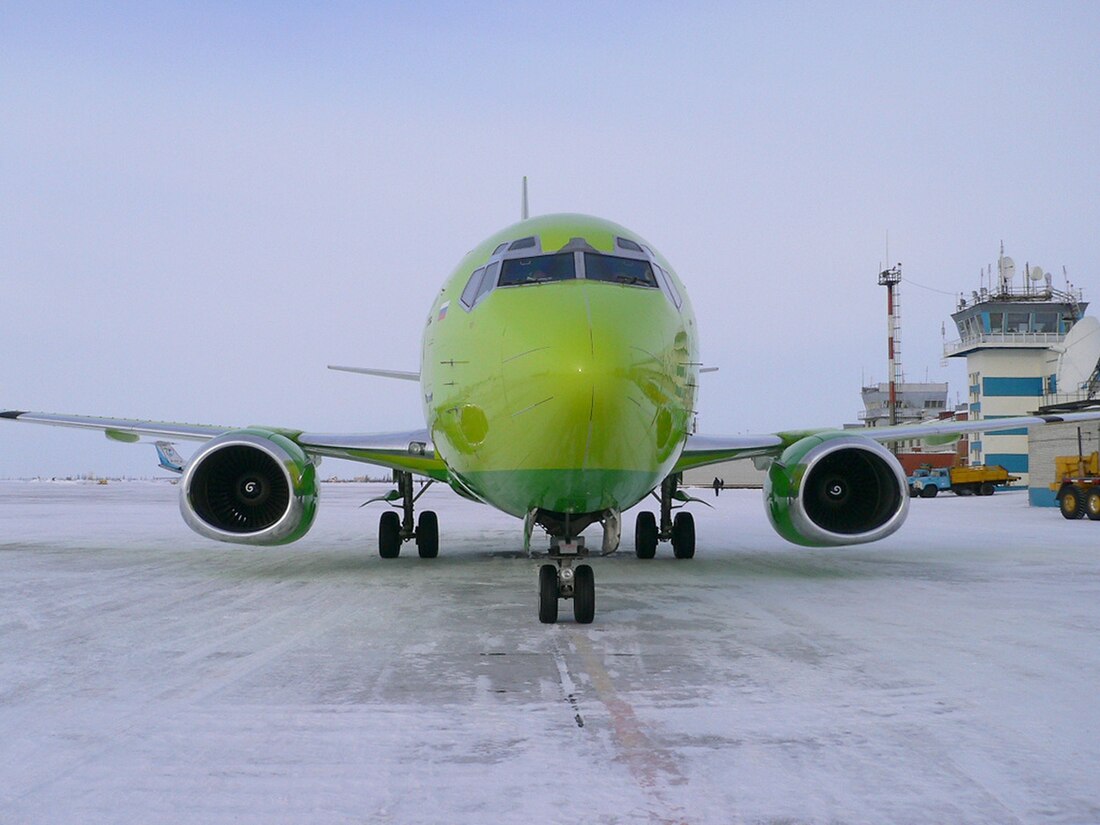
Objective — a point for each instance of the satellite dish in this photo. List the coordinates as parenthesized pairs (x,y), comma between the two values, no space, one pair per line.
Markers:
(1007,266)
(1082,353)
(1035,273)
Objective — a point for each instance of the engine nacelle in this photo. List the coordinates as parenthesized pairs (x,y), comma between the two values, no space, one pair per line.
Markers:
(250,487)
(833,489)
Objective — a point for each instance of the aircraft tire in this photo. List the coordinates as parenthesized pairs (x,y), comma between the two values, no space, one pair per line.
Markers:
(427,535)
(645,535)
(389,535)
(1072,503)
(548,594)
(683,536)
(584,595)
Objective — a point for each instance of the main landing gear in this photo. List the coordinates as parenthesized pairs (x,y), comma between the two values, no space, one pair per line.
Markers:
(393,530)
(680,530)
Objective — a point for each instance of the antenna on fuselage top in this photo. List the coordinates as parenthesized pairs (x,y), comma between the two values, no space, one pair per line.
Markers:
(524,214)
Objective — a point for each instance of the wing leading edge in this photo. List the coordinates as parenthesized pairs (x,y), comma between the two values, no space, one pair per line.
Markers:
(701,450)
(411,450)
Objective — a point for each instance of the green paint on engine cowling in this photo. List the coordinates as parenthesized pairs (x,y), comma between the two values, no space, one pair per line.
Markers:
(784,482)
(303,476)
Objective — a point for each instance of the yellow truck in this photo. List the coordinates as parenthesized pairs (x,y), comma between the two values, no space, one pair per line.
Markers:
(1078,485)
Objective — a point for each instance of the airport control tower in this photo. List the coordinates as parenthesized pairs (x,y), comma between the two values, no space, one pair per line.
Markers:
(1010,334)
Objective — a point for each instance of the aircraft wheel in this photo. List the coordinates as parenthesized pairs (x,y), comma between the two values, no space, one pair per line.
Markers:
(548,594)
(389,535)
(988,489)
(427,535)
(1092,504)
(929,491)
(584,595)
(645,535)
(683,536)
(1072,503)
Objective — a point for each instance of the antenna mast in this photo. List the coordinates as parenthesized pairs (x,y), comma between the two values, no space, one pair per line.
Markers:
(524,214)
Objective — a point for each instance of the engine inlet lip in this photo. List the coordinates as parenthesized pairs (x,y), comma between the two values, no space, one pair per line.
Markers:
(817,534)
(204,528)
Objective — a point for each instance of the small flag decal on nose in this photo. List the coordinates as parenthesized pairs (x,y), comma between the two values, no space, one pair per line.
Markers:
(443,311)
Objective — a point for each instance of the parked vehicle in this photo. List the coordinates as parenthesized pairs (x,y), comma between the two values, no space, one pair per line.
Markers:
(1078,485)
(927,482)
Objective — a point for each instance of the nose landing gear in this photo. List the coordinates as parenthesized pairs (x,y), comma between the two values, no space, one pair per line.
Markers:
(567,577)
(563,581)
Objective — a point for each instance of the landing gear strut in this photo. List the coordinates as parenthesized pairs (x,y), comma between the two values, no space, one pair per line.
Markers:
(563,581)
(567,577)
(679,530)
(393,530)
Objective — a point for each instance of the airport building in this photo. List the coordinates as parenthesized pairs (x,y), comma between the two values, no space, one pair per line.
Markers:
(915,403)
(1027,345)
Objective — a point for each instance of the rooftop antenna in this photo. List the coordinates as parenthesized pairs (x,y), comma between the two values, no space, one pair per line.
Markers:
(1006,268)
(524,213)
(1034,275)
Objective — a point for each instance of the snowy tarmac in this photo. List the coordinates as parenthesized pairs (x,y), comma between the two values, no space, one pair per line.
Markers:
(948,674)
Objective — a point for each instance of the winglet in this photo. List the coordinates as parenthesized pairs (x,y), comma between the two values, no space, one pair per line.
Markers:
(169,458)
(12,414)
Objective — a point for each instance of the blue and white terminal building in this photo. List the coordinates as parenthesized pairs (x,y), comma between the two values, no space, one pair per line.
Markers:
(1022,354)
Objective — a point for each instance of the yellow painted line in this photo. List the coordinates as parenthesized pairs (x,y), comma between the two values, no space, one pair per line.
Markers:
(652,766)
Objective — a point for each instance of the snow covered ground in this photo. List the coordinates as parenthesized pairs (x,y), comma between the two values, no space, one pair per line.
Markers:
(946,675)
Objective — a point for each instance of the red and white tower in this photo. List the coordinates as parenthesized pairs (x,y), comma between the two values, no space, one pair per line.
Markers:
(891,279)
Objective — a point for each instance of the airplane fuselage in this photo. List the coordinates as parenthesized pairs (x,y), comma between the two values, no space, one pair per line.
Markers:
(567,382)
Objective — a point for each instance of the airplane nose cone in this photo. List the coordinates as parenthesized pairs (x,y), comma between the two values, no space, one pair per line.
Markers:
(593,386)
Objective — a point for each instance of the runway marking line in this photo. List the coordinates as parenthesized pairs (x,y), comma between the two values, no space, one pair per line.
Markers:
(651,765)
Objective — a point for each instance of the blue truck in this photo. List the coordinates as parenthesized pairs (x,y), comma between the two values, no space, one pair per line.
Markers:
(927,482)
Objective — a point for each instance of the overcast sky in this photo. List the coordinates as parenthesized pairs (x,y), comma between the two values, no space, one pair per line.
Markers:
(201,205)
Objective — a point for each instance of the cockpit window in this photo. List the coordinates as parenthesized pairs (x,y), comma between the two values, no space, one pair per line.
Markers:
(522,243)
(670,285)
(489,281)
(619,270)
(538,269)
(470,292)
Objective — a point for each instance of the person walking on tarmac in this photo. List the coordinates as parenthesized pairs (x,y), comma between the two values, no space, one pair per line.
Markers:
(717,485)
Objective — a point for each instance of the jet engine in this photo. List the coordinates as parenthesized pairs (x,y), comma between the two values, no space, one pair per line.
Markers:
(831,489)
(250,487)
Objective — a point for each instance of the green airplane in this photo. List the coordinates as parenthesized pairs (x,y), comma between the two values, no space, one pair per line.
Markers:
(558,376)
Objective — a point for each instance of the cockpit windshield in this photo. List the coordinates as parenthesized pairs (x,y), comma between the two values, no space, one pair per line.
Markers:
(631,271)
(538,269)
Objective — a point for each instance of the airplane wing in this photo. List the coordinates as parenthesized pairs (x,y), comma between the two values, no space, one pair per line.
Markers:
(701,450)
(121,429)
(412,450)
